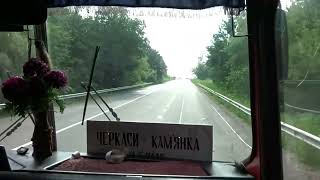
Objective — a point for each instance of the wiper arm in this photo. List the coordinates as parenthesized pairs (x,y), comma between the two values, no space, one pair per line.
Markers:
(114,114)
(84,86)
(90,81)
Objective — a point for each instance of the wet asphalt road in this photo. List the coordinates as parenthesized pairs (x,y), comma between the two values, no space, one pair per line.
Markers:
(177,101)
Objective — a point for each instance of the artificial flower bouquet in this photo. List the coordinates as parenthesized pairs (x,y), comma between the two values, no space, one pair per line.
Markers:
(35,90)
(32,95)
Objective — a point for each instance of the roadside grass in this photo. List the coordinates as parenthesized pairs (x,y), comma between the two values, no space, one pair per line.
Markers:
(305,153)
(306,95)
(222,90)
(309,122)
(244,117)
(306,121)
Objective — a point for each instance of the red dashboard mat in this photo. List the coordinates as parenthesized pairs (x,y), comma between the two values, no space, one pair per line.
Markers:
(134,167)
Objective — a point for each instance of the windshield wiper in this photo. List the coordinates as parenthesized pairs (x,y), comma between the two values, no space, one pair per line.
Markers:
(90,81)
(85,87)
(114,114)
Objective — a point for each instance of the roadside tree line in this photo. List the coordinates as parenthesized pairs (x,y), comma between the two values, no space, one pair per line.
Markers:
(125,57)
(227,61)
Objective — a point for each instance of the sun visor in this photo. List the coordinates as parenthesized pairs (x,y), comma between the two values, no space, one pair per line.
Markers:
(16,13)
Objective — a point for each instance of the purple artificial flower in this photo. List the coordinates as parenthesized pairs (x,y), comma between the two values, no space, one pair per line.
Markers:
(56,79)
(35,67)
(15,89)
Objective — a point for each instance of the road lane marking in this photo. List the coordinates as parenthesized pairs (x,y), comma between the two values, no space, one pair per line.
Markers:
(75,124)
(170,101)
(202,119)
(231,127)
(181,110)
(167,106)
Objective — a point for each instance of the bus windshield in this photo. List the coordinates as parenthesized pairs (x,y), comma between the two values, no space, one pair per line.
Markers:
(165,66)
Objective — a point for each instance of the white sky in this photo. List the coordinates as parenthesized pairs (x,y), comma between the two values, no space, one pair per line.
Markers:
(180,41)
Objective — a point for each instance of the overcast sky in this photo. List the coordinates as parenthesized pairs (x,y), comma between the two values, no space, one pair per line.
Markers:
(180,40)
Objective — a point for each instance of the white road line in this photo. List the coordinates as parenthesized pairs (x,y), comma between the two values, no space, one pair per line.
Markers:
(75,124)
(181,111)
(202,119)
(231,127)
(170,101)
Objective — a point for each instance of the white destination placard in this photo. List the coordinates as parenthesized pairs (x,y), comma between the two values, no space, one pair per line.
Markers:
(151,140)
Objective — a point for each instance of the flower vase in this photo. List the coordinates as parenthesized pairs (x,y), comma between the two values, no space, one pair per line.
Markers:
(42,136)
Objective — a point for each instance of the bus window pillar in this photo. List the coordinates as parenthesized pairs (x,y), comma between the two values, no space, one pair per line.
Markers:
(40,33)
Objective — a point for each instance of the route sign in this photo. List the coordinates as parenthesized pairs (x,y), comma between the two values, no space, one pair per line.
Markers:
(151,140)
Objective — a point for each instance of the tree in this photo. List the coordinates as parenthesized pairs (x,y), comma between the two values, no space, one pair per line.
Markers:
(227,63)
(201,71)
(304,29)
(125,56)
(157,64)
(217,54)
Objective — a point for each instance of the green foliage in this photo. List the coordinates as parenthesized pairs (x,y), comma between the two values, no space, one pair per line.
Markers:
(223,90)
(157,64)
(305,95)
(13,53)
(227,61)
(125,57)
(305,153)
(306,121)
(54,95)
(202,70)
(20,110)
(304,40)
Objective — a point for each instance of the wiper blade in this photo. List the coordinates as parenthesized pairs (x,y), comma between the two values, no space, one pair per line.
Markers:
(114,114)
(90,81)
(84,86)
